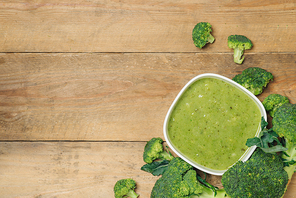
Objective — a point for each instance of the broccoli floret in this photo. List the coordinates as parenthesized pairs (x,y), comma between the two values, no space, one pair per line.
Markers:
(171,183)
(263,175)
(284,124)
(125,188)
(154,150)
(285,114)
(254,79)
(239,43)
(180,181)
(273,101)
(201,34)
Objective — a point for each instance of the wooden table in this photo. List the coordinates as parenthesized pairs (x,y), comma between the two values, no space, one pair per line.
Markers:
(85,84)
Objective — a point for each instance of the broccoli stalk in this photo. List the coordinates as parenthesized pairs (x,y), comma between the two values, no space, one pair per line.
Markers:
(208,193)
(154,150)
(239,44)
(125,188)
(238,53)
(290,158)
(201,34)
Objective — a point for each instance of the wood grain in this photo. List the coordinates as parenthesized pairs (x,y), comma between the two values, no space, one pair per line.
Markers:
(116,97)
(85,83)
(141,26)
(70,169)
(73,169)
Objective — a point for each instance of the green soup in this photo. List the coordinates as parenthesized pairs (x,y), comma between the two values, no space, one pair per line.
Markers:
(211,123)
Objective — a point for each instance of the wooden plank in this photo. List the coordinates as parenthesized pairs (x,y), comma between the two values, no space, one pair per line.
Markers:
(117,97)
(141,26)
(72,169)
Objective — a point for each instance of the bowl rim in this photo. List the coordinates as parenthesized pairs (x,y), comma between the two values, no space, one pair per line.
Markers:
(248,152)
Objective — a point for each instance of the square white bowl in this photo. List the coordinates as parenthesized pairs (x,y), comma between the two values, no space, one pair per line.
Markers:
(248,152)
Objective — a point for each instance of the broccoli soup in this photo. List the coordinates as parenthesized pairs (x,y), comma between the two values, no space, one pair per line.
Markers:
(211,123)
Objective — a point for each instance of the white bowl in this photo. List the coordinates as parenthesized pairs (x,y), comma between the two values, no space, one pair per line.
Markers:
(248,152)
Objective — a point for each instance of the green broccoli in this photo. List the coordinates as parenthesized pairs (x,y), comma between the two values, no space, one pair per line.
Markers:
(180,181)
(285,114)
(273,101)
(254,79)
(284,124)
(125,188)
(263,175)
(201,34)
(154,150)
(239,43)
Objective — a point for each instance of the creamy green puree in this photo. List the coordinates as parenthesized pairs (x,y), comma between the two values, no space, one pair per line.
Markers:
(211,123)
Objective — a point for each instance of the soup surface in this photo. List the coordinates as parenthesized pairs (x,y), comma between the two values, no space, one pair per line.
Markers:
(211,123)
